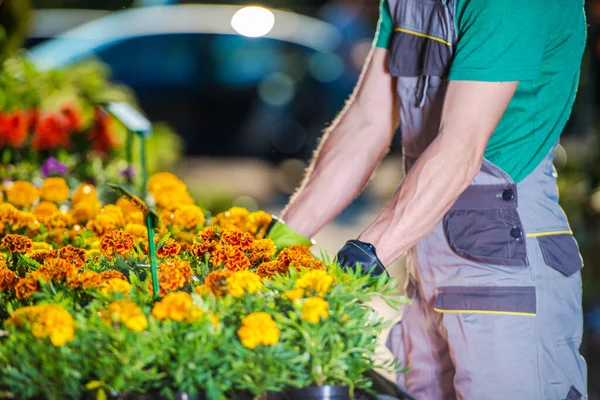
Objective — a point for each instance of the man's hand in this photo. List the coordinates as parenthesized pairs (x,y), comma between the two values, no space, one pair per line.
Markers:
(284,236)
(356,252)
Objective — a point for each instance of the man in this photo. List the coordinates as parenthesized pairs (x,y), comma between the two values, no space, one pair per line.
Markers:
(481,90)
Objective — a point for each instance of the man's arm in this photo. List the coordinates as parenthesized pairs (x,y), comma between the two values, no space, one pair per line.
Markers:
(349,152)
(470,115)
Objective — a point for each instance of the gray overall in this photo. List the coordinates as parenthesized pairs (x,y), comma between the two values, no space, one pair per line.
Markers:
(496,287)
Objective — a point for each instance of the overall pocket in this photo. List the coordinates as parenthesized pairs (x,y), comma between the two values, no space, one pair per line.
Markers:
(484,226)
(561,252)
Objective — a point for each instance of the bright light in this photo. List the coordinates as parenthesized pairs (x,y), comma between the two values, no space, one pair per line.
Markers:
(253,21)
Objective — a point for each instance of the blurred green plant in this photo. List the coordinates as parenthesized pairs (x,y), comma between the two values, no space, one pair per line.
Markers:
(15,17)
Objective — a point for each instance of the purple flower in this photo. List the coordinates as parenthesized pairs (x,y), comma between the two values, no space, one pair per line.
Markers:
(128,173)
(53,167)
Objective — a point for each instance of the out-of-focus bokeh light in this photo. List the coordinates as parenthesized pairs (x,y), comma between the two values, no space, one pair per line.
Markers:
(277,89)
(253,21)
(326,67)
(247,202)
(560,157)
(289,175)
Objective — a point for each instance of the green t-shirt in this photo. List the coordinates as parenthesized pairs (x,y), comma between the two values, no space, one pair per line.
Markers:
(536,42)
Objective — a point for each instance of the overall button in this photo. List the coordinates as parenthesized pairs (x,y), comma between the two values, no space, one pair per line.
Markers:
(508,195)
(516,232)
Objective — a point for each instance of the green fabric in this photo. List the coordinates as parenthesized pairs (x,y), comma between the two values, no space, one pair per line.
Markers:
(283,236)
(385,26)
(537,42)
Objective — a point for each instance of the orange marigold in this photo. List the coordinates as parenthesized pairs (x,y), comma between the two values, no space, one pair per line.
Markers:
(183,267)
(169,278)
(216,282)
(40,256)
(231,258)
(116,243)
(7,279)
(85,280)
(239,239)
(84,193)
(270,268)
(169,249)
(26,286)
(73,255)
(112,274)
(22,194)
(57,269)
(17,243)
(44,210)
(262,251)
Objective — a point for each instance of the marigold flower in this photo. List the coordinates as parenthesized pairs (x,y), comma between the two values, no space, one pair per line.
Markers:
(183,267)
(230,258)
(17,243)
(73,255)
(170,278)
(48,320)
(103,223)
(161,179)
(262,251)
(116,243)
(8,213)
(22,194)
(86,210)
(136,230)
(169,197)
(188,217)
(317,282)
(55,190)
(26,286)
(169,249)
(25,220)
(115,285)
(216,282)
(84,193)
(296,256)
(270,268)
(85,280)
(44,210)
(57,269)
(14,127)
(126,206)
(235,219)
(239,239)
(129,314)
(51,131)
(7,278)
(59,220)
(40,256)
(314,309)
(258,328)
(112,274)
(243,282)
(294,294)
(177,306)
(258,222)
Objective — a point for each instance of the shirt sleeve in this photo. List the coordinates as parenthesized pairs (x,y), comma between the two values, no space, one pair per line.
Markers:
(385,26)
(499,40)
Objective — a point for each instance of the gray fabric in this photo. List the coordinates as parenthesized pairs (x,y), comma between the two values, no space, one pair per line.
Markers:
(561,253)
(573,394)
(487,298)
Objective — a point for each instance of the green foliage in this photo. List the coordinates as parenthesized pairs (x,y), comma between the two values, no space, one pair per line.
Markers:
(15,17)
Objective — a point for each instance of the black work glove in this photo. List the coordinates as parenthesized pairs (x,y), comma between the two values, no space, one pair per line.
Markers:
(356,252)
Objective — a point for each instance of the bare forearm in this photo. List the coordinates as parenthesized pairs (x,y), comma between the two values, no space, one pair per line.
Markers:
(429,190)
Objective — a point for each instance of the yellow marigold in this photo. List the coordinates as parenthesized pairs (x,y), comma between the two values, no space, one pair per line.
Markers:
(216,282)
(103,223)
(235,219)
(135,217)
(188,217)
(230,258)
(258,222)
(177,306)
(129,314)
(116,212)
(170,197)
(258,328)
(22,194)
(59,220)
(115,285)
(85,280)
(8,213)
(73,255)
(294,294)
(269,268)
(17,243)
(136,230)
(243,282)
(7,278)
(160,179)
(116,243)
(112,274)
(2,227)
(170,278)
(262,251)
(40,256)
(44,210)
(42,246)
(314,309)
(126,206)
(92,255)
(55,190)
(25,219)
(84,193)
(168,249)
(46,321)
(86,210)
(317,282)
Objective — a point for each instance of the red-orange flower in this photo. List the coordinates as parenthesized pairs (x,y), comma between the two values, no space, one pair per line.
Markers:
(230,258)
(239,239)
(17,243)
(40,256)
(270,268)
(116,243)
(14,127)
(73,255)
(73,115)
(57,269)
(216,282)
(85,280)
(112,274)
(7,279)
(169,249)
(29,284)
(183,267)
(51,131)
(169,278)
(101,133)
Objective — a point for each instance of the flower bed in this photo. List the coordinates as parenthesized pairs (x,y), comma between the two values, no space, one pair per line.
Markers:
(235,316)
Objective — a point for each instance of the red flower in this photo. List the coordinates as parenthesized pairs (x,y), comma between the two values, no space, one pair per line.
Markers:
(101,132)
(51,131)
(14,127)
(73,115)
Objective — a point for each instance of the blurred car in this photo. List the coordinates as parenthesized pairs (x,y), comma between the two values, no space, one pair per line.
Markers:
(226,94)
